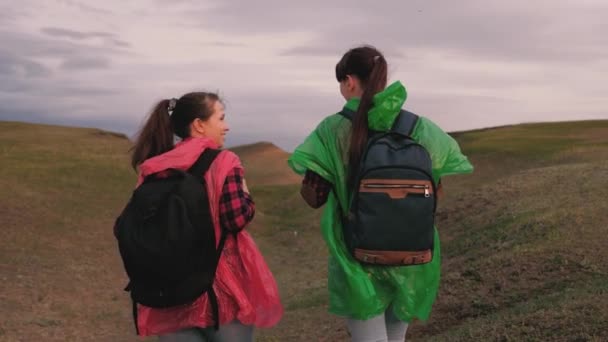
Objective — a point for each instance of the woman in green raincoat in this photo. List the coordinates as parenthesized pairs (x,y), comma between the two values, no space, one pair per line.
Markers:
(378,301)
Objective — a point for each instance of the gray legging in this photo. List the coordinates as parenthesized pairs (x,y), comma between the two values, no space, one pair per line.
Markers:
(382,328)
(231,332)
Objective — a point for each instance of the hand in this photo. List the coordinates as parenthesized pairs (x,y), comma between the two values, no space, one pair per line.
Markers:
(245,188)
(440,193)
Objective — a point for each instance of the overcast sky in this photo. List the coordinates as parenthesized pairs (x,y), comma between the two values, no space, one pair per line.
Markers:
(466,64)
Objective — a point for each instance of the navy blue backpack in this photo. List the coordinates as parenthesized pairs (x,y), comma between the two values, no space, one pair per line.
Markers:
(392,212)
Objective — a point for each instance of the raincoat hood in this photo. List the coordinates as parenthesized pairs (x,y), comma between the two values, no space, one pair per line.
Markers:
(386,108)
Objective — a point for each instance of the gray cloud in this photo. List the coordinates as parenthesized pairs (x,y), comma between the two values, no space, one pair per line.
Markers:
(63,105)
(119,43)
(9,12)
(9,85)
(28,115)
(14,66)
(61,32)
(514,30)
(108,38)
(28,63)
(40,77)
(335,50)
(5,17)
(85,63)
(226,44)
(77,90)
(32,46)
(83,7)
(465,64)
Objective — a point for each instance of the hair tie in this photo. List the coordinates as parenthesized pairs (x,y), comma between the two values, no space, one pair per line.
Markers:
(172,104)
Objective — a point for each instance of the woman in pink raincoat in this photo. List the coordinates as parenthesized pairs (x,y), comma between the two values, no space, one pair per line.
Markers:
(246,291)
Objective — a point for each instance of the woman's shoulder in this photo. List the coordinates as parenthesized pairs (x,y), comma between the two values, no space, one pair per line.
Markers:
(426,127)
(431,136)
(333,123)
(230,158)
(228,153)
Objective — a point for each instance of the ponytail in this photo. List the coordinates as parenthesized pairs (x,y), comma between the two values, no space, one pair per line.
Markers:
(155,137)
(374,84)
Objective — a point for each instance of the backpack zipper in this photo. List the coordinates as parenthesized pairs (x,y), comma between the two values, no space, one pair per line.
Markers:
(399,186)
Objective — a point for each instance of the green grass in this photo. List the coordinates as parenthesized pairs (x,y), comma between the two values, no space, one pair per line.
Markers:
(567,313)
(523,238)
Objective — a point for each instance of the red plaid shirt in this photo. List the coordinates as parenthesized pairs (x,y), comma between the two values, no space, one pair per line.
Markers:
(236,206)
(321,186)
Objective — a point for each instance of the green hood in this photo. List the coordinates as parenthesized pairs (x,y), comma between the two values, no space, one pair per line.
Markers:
(387,105)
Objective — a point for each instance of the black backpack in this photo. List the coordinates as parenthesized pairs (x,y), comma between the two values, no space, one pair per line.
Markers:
(392,212)
(167,240)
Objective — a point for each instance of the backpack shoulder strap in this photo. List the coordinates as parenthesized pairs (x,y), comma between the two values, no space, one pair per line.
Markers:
(203,162)
(405,123)
(347,113)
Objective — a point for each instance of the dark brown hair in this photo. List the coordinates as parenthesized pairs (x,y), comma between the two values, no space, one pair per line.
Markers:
(156,135)
(369,66)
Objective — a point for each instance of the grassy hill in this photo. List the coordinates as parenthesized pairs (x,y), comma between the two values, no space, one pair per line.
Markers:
(266,164)
(522,237)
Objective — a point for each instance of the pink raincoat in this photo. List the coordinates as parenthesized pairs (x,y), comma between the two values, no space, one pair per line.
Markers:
(246,289)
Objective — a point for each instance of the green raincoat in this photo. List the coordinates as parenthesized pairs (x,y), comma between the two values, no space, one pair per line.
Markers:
(364,291)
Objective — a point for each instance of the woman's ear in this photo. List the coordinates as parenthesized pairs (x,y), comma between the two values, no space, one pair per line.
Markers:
(350,83)
(197,128)
(353,84)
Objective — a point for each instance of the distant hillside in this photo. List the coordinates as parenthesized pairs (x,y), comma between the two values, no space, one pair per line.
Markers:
(265,164)
(522,238)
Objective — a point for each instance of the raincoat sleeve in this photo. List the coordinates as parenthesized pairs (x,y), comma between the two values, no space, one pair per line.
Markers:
(318,154)
(444,150)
